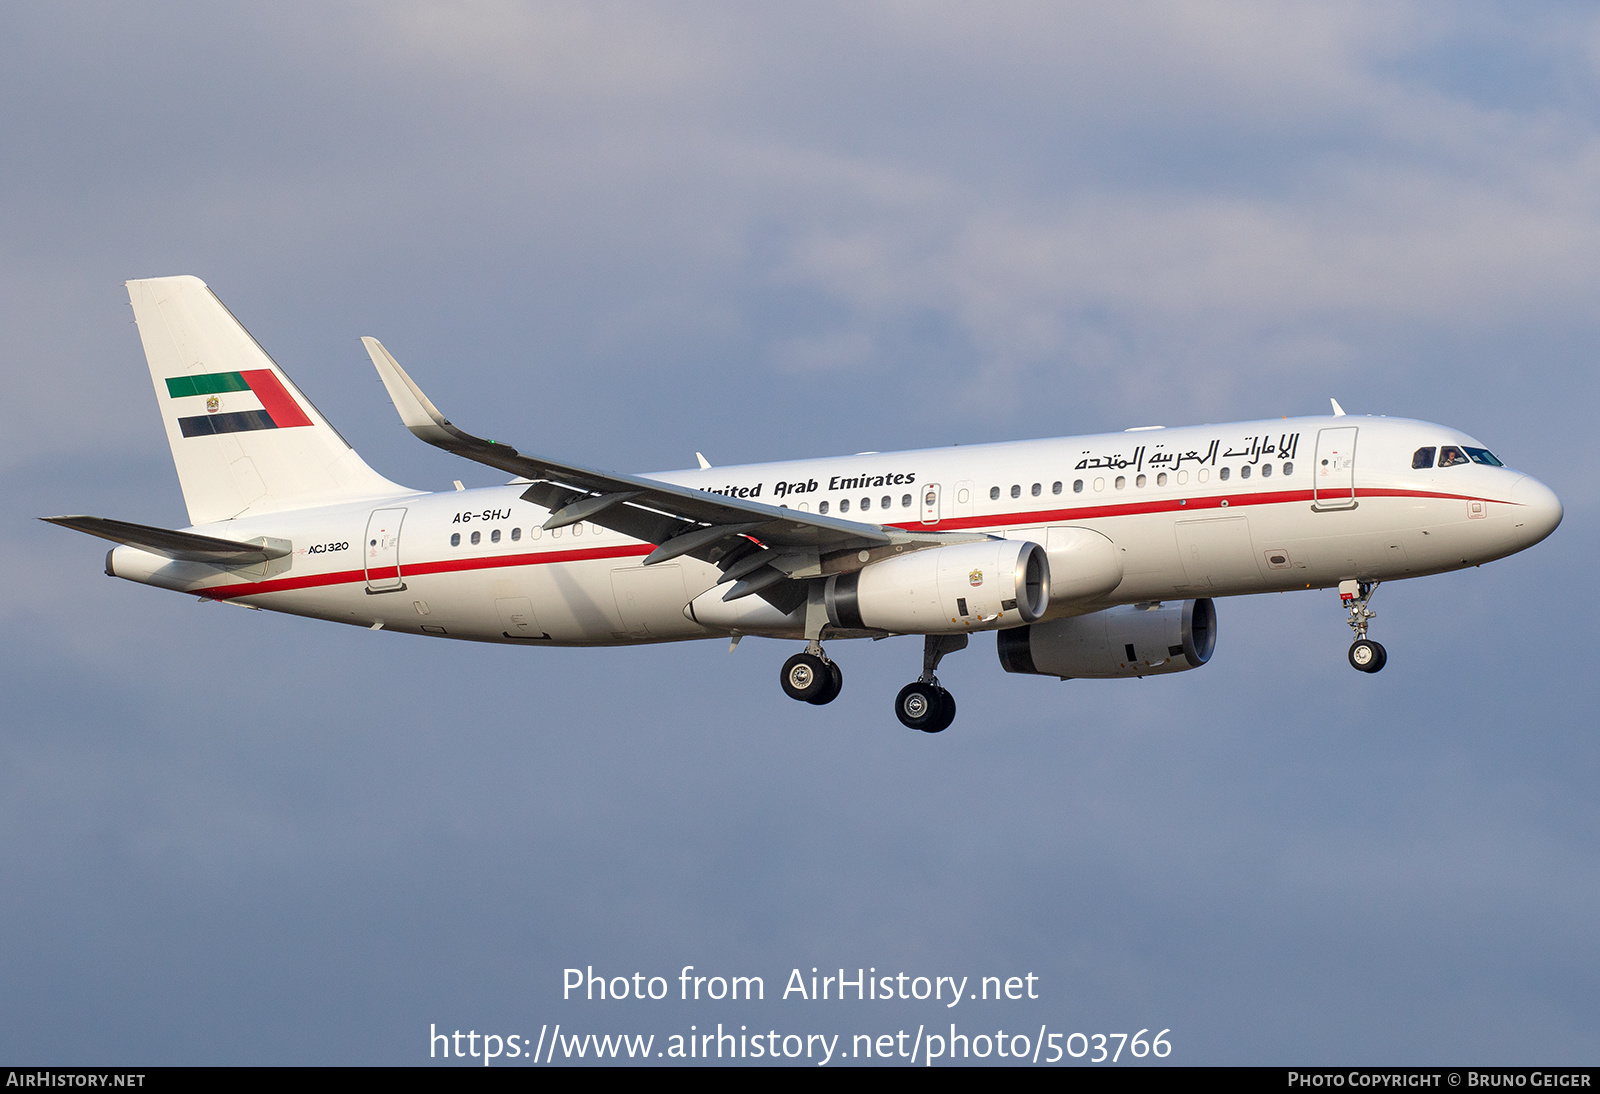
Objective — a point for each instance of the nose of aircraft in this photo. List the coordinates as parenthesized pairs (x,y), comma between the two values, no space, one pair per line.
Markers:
(1539,509)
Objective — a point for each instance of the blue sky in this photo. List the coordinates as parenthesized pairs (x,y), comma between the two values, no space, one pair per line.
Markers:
(623,233)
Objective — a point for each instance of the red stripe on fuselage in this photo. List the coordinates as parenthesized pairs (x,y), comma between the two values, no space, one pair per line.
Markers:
(1165,505)
(484,562)
(1003,520)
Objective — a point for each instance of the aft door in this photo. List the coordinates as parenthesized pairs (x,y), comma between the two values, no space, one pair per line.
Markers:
(383,550)
(1334,477)
(930,503)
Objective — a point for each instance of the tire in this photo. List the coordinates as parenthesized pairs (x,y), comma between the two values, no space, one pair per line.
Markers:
(920,706)
(1367,655)
(834,685)
(805,677)
(947,713)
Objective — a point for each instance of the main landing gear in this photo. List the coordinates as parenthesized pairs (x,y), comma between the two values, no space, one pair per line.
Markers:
(811,677)
(1365,654)
(924,704)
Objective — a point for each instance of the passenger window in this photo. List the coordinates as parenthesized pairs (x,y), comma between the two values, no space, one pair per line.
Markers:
(805,507)
(577,529)
(1244,472)
(1016,491)
(1224,473)
(1422,458)
(1450,456)
(886,501)
(1077,486)
(963,496)
(822,507)
(494,536)
(844,505)
(866,503)
(994,493)
(1099,485)
(1205,474)
(1055,487)
(455,539)
(1139,482)
(1161,479)
(516,534)
(555,533)
(1037,490)
(477,537)
(535,532)
(1122,480)
(1288,469)
(905,501)
(1266,471)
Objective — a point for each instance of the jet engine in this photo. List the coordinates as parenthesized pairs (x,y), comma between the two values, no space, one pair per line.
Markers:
(1132,640)
(942,590)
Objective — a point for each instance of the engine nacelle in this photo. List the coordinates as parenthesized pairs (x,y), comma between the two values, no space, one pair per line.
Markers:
(942,590)
(1133,640)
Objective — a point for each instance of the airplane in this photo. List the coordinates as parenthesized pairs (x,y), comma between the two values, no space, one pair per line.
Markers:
(1089,557)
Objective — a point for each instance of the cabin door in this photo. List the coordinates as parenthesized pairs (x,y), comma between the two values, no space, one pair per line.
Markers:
(1333,484)
(382,550)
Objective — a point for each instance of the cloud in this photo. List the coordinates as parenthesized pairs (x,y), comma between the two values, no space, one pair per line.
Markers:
(619,233)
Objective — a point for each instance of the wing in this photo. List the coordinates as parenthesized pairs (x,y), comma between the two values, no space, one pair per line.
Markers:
(756,545)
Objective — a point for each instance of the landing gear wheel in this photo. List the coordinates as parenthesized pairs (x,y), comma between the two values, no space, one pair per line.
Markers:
(835,682)
(927,707)
(805,677)
(1367,655)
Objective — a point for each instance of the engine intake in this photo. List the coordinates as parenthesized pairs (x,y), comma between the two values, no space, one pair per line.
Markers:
(942,590)
(1132,640)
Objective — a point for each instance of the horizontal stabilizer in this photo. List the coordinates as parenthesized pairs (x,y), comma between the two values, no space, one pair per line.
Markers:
(182,546)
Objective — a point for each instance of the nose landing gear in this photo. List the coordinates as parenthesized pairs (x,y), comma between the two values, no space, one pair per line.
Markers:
(924,704)
(1365,654)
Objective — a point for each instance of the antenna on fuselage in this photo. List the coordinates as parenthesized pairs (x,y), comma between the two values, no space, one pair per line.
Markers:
(1338,411)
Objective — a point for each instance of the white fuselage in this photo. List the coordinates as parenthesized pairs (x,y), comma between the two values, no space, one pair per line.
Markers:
(1199,511)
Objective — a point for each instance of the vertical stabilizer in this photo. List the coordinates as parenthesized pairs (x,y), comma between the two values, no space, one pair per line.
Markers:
(244,439)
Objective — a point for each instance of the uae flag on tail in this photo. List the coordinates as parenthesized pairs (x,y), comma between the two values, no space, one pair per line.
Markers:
(233,402)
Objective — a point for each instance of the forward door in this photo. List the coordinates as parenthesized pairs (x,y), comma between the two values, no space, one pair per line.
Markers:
(1333,484)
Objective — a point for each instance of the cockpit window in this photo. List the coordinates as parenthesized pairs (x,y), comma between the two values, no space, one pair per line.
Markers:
(1422,458)
(1450,456)
(1484,456)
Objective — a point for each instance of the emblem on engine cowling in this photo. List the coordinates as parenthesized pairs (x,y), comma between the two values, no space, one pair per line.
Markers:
(975,577)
